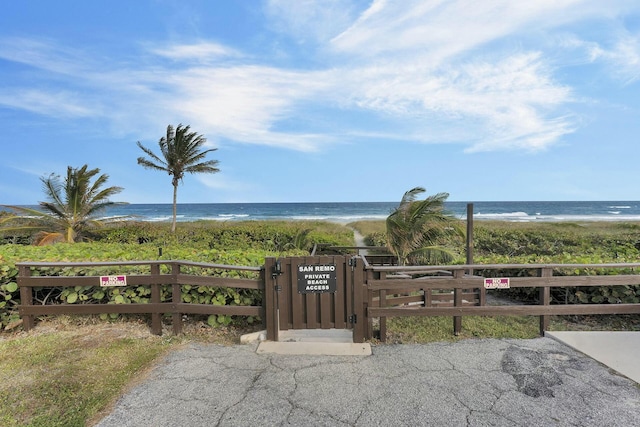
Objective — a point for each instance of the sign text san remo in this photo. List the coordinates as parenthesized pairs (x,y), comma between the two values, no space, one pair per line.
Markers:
(316,278)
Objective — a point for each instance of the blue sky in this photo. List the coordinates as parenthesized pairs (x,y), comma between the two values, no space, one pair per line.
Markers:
(328,100)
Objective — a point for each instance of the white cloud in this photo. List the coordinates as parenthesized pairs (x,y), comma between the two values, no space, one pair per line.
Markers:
(505,101)
(625,58)
(421,67)
(311,20)
(444,28)
(201,52)
(58,104)
(622,57)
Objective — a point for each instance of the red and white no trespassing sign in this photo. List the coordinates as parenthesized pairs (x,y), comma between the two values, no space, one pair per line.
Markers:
(497,283)
(113,280)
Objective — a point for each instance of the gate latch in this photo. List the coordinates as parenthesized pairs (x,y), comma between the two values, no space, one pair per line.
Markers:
(277,271)
(353,319)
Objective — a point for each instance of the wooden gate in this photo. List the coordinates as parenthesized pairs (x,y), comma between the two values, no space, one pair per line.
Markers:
(314,292)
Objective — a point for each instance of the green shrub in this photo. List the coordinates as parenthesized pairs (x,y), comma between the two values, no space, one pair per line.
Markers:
(497,242)
(239,244)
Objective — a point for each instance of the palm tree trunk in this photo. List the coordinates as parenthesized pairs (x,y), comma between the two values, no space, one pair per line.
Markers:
(175,208)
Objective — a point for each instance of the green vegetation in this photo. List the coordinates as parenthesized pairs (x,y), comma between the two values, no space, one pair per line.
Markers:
(181,153)
(497,242)
(241,243)
(433,329)
(71,210)
(70,369)
(420,231)
(67,374)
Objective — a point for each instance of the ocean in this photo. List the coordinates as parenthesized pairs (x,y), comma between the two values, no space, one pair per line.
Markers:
(349,212)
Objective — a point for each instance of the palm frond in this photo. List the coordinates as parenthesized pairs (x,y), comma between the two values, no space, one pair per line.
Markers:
(418,227)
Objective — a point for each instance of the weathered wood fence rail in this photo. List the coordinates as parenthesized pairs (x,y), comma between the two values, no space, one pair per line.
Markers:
(161,273)
(394,291)
(379,290)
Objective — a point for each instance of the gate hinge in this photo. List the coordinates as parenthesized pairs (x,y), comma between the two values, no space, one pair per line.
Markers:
(353,319)
(352,262)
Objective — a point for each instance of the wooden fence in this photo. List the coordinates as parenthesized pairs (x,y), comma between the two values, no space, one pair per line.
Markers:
(380,290)
(33,275)
(394,291)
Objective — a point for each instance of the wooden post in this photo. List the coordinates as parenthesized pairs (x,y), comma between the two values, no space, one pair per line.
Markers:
(545,299)
(383,320)
(26,296)
(382,300)
(457,302)
(271,300)
(156,318)
(470,236)
(359,294)
(176,298)
(369,303)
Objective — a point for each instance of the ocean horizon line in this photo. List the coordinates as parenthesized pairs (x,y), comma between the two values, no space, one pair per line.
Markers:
(345,212)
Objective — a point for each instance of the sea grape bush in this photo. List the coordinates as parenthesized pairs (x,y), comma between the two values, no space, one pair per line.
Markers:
(498,242)
(248,243)
(275,236)
(9,295)
(242,244)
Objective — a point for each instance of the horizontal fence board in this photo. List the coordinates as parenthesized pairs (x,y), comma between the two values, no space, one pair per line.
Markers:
(216,266)
(222,282)
(95,309)
(68,281)
(515,282)
(511,310)
(183,308)
(475,267)
(229,310)
(149,262)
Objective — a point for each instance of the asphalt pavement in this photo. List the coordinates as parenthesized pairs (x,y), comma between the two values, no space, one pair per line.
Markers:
(483,382)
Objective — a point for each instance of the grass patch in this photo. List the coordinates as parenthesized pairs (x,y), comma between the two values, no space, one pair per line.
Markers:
(422,330)
(434,329)
(68,372)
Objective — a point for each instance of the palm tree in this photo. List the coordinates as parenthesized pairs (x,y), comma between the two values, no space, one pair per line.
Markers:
(180,150)
(418,230)
(71,210)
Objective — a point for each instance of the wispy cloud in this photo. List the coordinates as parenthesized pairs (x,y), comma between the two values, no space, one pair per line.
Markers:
(432,71)
(311,20)
(201,52)
(58,104)
(623,58)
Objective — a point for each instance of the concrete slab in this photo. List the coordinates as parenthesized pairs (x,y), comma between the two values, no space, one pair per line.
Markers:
(328,342)
(618,350)
(475,382)
(314,348)
(316,335)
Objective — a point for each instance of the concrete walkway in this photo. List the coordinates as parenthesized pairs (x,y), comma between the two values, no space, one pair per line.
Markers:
(618,350)
(484,382)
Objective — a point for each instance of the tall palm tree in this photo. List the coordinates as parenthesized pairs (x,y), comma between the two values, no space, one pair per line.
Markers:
(418,229)
(72,208)
(180,153)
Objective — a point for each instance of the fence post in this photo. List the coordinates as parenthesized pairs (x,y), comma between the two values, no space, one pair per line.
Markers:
(156,319)
(270,299)
(26,296)
(545,299)
(457,302)
(359,294)
(368,333)
(176,298)
(383,320)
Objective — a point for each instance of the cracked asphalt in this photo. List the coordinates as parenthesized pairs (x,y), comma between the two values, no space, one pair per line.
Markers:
(485,382)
